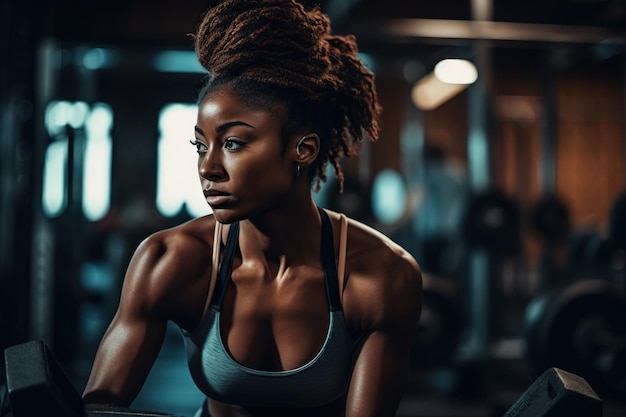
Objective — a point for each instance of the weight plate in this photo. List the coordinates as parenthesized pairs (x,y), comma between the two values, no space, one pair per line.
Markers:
(582,330)
(492,221)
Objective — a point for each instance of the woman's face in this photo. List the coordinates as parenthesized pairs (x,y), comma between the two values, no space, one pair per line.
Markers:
(241,162)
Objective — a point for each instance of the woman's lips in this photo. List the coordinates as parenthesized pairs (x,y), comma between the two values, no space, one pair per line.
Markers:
(217,198)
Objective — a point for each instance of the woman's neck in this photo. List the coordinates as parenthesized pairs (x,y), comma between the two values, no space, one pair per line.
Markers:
(291,230)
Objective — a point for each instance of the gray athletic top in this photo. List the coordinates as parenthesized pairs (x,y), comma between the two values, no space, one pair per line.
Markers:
(319,382)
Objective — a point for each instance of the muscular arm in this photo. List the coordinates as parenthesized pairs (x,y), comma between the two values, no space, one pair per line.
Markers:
(156,281)
(124,359)
(381,367)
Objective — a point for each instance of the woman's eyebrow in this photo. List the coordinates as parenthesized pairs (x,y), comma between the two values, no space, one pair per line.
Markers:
(228,125)
(224,126)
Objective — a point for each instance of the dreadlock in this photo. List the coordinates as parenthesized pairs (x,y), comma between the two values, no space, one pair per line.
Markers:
(277,51)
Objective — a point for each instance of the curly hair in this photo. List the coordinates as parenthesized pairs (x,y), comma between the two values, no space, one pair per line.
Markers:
(278,52)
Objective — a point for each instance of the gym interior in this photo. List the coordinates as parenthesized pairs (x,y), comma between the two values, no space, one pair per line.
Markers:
(506,183)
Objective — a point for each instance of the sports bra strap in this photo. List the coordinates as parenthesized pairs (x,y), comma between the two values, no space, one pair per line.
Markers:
(331,268)
(215,261)
(226,267)
(343,248)
(328,262)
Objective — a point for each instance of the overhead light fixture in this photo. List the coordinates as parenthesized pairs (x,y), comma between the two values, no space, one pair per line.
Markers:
(456,71)
(449,78)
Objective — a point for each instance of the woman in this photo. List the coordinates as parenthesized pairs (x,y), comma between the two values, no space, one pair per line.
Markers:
(285,308)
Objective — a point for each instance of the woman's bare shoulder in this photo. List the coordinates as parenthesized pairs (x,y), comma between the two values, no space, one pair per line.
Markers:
(169,264)
(383,280)
(367,243)
(198,231)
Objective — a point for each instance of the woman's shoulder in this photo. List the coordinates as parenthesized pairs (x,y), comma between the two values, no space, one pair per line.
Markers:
(193,235)
(169,256)
(169,267)
(383,280)
(367,243)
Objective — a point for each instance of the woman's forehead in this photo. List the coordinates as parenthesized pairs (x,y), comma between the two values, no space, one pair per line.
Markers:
(228,96)
(225,106)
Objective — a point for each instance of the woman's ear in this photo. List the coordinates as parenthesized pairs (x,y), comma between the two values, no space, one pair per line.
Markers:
(307,148)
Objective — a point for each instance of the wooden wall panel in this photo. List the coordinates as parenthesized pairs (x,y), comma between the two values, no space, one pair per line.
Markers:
(590,145)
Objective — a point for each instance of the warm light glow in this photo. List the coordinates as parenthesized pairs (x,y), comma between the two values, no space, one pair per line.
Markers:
(456,71)
(450,77)
(430,92)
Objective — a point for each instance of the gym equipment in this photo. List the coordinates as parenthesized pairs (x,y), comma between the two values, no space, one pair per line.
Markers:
(557,393)
(580,328)
(38,386)
(617,222)
(438,333)
(33,372)
(492,222)
(550,218)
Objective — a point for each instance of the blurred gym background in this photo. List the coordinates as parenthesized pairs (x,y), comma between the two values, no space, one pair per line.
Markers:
(501,167)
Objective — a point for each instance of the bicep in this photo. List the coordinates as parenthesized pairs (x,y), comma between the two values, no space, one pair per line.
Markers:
(123,360)
(134,337)
(391,307)
(379,375)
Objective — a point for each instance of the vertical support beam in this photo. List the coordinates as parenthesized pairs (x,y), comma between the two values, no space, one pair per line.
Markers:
(547,158)
(624,112)
(479,138)
(480,122)
(42,248)
(412,168)
(12,290)
(20,28)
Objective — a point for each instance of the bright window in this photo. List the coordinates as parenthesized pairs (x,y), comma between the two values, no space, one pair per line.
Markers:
(97,176)
(178,184)
(93,126)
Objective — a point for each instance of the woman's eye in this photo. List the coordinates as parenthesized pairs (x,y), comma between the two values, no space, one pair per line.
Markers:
(200,147)
(232,144)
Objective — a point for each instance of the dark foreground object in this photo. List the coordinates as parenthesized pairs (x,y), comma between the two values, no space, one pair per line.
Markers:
(38,386)
(557,393)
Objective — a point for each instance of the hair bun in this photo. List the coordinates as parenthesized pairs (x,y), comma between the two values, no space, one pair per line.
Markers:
(237,37)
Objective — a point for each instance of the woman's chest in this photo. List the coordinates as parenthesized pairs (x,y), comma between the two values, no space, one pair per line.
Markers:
(274,323)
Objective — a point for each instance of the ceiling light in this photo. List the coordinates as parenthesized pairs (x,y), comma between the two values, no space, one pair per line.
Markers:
(430,92)
(456,71)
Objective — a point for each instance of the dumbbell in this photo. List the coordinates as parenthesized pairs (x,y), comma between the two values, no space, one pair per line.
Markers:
(557,393)
(36,385)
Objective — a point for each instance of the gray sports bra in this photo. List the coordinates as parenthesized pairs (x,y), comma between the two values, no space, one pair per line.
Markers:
(319,382)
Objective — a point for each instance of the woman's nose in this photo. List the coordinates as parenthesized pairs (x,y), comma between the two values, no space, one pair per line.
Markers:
(210,166)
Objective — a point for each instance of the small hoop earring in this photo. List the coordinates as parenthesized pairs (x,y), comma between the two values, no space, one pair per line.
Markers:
(297,171)
(299,143)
